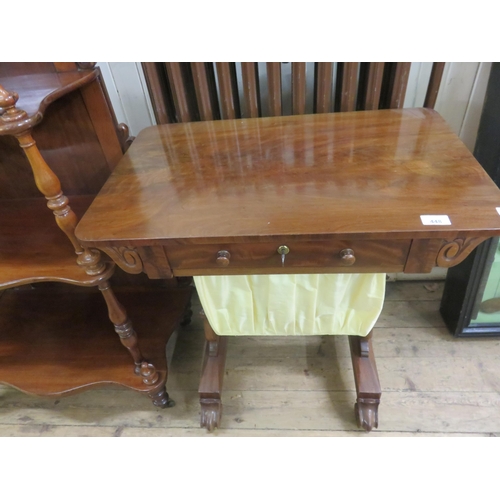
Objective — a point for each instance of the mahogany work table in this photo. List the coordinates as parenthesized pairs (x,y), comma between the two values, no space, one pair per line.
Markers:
(345,192)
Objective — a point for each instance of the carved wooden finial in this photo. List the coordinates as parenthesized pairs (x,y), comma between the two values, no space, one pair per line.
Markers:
(8,110)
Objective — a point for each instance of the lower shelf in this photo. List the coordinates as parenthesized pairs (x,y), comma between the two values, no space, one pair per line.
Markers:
(55,342)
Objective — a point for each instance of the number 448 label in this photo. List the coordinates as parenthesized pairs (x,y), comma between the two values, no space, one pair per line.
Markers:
(435,220)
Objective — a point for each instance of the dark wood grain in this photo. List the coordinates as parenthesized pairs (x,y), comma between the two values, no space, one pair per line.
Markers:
(35,94)
(434,84)
(65,66)
(156,87)
(303,257)
(202,89)
(101,113)
(249,181)
(68,142)
(298,88)
(38,359)
(38,244)
(422,255)
(347,83)
(178,89)
(250,83)
(228,96)
(368,390)
(372,75)
(49,256)
(323,89)
(11,69)
(401,72)
(274,88)
(212,378)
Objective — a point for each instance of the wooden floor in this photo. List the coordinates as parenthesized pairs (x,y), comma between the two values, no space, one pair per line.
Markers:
(432,383)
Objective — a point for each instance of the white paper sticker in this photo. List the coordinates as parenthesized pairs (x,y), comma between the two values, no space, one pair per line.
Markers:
(435,220)
(498,210)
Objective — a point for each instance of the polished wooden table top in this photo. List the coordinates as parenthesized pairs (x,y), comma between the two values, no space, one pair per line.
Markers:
(367,174)
(342,192)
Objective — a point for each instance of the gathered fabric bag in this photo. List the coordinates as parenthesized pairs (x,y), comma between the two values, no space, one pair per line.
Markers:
(292,304)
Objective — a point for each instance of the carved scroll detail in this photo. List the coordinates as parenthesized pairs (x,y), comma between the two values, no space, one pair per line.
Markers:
(126,258)
(454,252)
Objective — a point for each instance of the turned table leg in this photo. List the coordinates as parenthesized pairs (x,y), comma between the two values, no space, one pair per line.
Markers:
(368,389)
(212,375)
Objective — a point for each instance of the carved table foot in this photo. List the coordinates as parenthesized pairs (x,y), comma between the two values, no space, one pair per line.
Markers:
(368,389)
(366,412)
(160,398)
(211,412)
(212,376)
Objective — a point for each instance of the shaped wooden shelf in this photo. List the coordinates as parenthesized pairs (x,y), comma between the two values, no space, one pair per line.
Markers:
(33,248)
(56,339)
(36,92)
(55,342)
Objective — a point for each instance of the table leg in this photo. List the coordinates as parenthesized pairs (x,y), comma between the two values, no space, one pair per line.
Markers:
(368,389)
(212,375)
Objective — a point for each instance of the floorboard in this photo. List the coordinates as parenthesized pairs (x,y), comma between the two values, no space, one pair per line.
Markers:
(432,383)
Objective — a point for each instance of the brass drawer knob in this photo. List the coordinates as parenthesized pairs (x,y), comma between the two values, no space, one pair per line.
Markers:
(347,257)
(223,257)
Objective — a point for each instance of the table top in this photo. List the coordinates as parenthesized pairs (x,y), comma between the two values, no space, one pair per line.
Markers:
(364,174)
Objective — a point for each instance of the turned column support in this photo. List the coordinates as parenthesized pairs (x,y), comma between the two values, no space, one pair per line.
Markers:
(49,185)
(124,328)
(89,259)
(47,182)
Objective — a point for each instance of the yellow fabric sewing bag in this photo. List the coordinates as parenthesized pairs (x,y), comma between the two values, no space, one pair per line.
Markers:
(292,304)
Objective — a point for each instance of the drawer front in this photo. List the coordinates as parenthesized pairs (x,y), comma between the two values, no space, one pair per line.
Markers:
(300,257)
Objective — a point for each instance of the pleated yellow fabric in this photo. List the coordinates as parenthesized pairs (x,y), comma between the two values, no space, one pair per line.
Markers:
(292,304)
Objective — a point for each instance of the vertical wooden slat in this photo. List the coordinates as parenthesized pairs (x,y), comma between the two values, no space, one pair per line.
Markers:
(226,90)
(371,98)
(202,90)
(298,88)
(400,81)
(323,84)
(250,88)
(178,91)
(274,88)
(156,92)
(434,83)
(348,83)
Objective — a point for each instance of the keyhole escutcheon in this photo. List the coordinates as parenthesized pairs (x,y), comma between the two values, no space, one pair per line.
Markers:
(283,250)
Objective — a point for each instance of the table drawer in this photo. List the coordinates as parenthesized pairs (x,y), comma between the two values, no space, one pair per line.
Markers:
(348,256)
